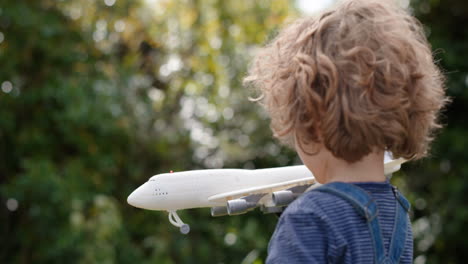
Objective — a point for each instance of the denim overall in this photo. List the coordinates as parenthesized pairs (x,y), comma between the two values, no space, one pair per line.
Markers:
(367,207)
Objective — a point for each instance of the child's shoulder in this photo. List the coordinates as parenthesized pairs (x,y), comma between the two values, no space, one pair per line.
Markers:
(316,214)
(324,204)
(315,203)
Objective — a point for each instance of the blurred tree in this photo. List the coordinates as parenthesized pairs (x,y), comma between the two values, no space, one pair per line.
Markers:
(99,95)
(439,184)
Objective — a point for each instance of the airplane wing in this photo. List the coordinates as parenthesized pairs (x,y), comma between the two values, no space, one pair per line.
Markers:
(391,166)
(223,197)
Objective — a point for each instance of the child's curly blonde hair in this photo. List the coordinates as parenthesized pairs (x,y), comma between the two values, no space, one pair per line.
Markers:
(356,78)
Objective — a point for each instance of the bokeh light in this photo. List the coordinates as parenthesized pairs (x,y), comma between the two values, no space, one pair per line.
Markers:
(12,204)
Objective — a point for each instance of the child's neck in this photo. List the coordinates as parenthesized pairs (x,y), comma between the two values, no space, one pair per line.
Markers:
(369,169)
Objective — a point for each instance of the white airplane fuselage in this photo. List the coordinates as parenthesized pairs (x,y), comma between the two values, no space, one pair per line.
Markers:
(229,191)
(191,189)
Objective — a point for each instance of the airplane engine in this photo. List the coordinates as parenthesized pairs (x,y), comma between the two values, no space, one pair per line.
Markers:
(219,211)
(239,206)
(283,198)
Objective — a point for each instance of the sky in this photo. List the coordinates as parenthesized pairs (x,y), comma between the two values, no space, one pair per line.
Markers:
(313,6)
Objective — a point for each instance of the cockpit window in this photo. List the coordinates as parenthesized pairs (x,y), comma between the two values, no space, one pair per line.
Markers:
(153,178)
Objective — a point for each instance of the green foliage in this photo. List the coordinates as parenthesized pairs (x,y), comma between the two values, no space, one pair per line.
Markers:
(105,96)
(439,184)
(95,99)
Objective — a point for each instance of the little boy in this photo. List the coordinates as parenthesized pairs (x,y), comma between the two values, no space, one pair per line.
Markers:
(342,88)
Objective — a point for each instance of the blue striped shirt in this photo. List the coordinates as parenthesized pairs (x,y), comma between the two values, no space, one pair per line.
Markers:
(321,227)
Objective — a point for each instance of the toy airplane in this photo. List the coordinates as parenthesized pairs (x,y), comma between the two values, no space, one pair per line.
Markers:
(228,191)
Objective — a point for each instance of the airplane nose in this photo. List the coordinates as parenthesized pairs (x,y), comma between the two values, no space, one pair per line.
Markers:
(132,199)
(142,198)
(138,198)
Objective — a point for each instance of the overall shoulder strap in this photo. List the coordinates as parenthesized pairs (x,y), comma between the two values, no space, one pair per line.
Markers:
(365,206)
(359,198)
(397,244)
